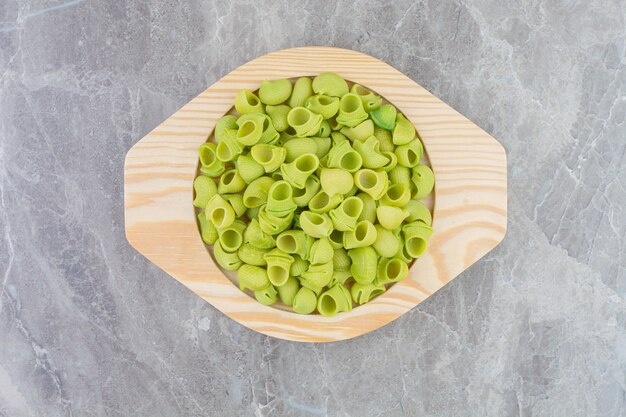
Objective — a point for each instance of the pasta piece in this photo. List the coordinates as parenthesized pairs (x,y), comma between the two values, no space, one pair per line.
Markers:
(210,165)
(231,237)
(402,254)
(324,105)
(267,295)
(323,146)
(302,89)
(391,270)
(228,261)
(369,207)
(391,217)
(341,260)
(330,84)
(253,213)
(372,182)
(297,171)
(204,188)
(424,180)
(273,224)
(321,252)
(351,111)
(359,132)
(257,192)
(249,169)
(275,91)
(270,136)
(387,243)
(363,293)
(252,278)
(231,182)
(370,153)
(403,132)
(295,242)
(370,100)
(315,224)
(343,156)
(345,216)
(304,121)
(298,266)
(250,254)
(287,292)
(250,128)
(323,203)
(400,175)
(255,236)
(247,102)
(336,299)
(336,239)
(416,236)
(226,122)
(305,301)
(339,277)
(393,161)
(409,155)
(325,129)
(229,147)
(418,212)
(302,196)
(278,266)
(278,116)
(236,202)
(299,146)
(364,234)
(317,276)
(385,140)
(270,157)
(219,212)
(385,117)
(280,199)
(336,181)
(397,195)
(208,232)
(364,264)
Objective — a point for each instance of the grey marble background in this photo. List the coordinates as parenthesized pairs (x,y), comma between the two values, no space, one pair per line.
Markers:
(88,327)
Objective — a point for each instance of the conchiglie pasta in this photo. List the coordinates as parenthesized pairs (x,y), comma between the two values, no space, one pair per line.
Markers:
(310,191)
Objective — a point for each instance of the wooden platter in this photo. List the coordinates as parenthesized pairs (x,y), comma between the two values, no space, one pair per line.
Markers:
(469,207)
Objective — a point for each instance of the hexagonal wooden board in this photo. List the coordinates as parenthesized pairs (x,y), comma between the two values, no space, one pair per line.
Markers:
(470,207)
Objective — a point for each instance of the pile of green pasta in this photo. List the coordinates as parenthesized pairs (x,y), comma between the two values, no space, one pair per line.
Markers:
(312,194)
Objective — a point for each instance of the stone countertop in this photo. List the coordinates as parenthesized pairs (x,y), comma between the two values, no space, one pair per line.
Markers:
(88,327)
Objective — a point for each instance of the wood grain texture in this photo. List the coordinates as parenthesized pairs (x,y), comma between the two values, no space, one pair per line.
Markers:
(470,207)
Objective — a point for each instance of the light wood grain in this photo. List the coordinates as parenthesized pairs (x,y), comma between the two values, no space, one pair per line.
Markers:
(470,206)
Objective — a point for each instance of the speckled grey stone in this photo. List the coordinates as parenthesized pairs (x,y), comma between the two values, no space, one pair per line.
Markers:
(90,328)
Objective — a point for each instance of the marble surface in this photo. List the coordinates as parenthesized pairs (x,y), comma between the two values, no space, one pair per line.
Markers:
(90,328)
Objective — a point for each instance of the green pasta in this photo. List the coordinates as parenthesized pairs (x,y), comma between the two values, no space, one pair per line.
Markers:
(370,100)
(359,132)
(315,224)
(351,111)
(330,84)
(369,150)
(324,105)
(275,91)
(210,165)
(204,188)
(424,180)
(278,266)
(336,181)
(363,293)
(278,116)
(310,192)
(304,121)
(247,102)
(298,171)
(345,216)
